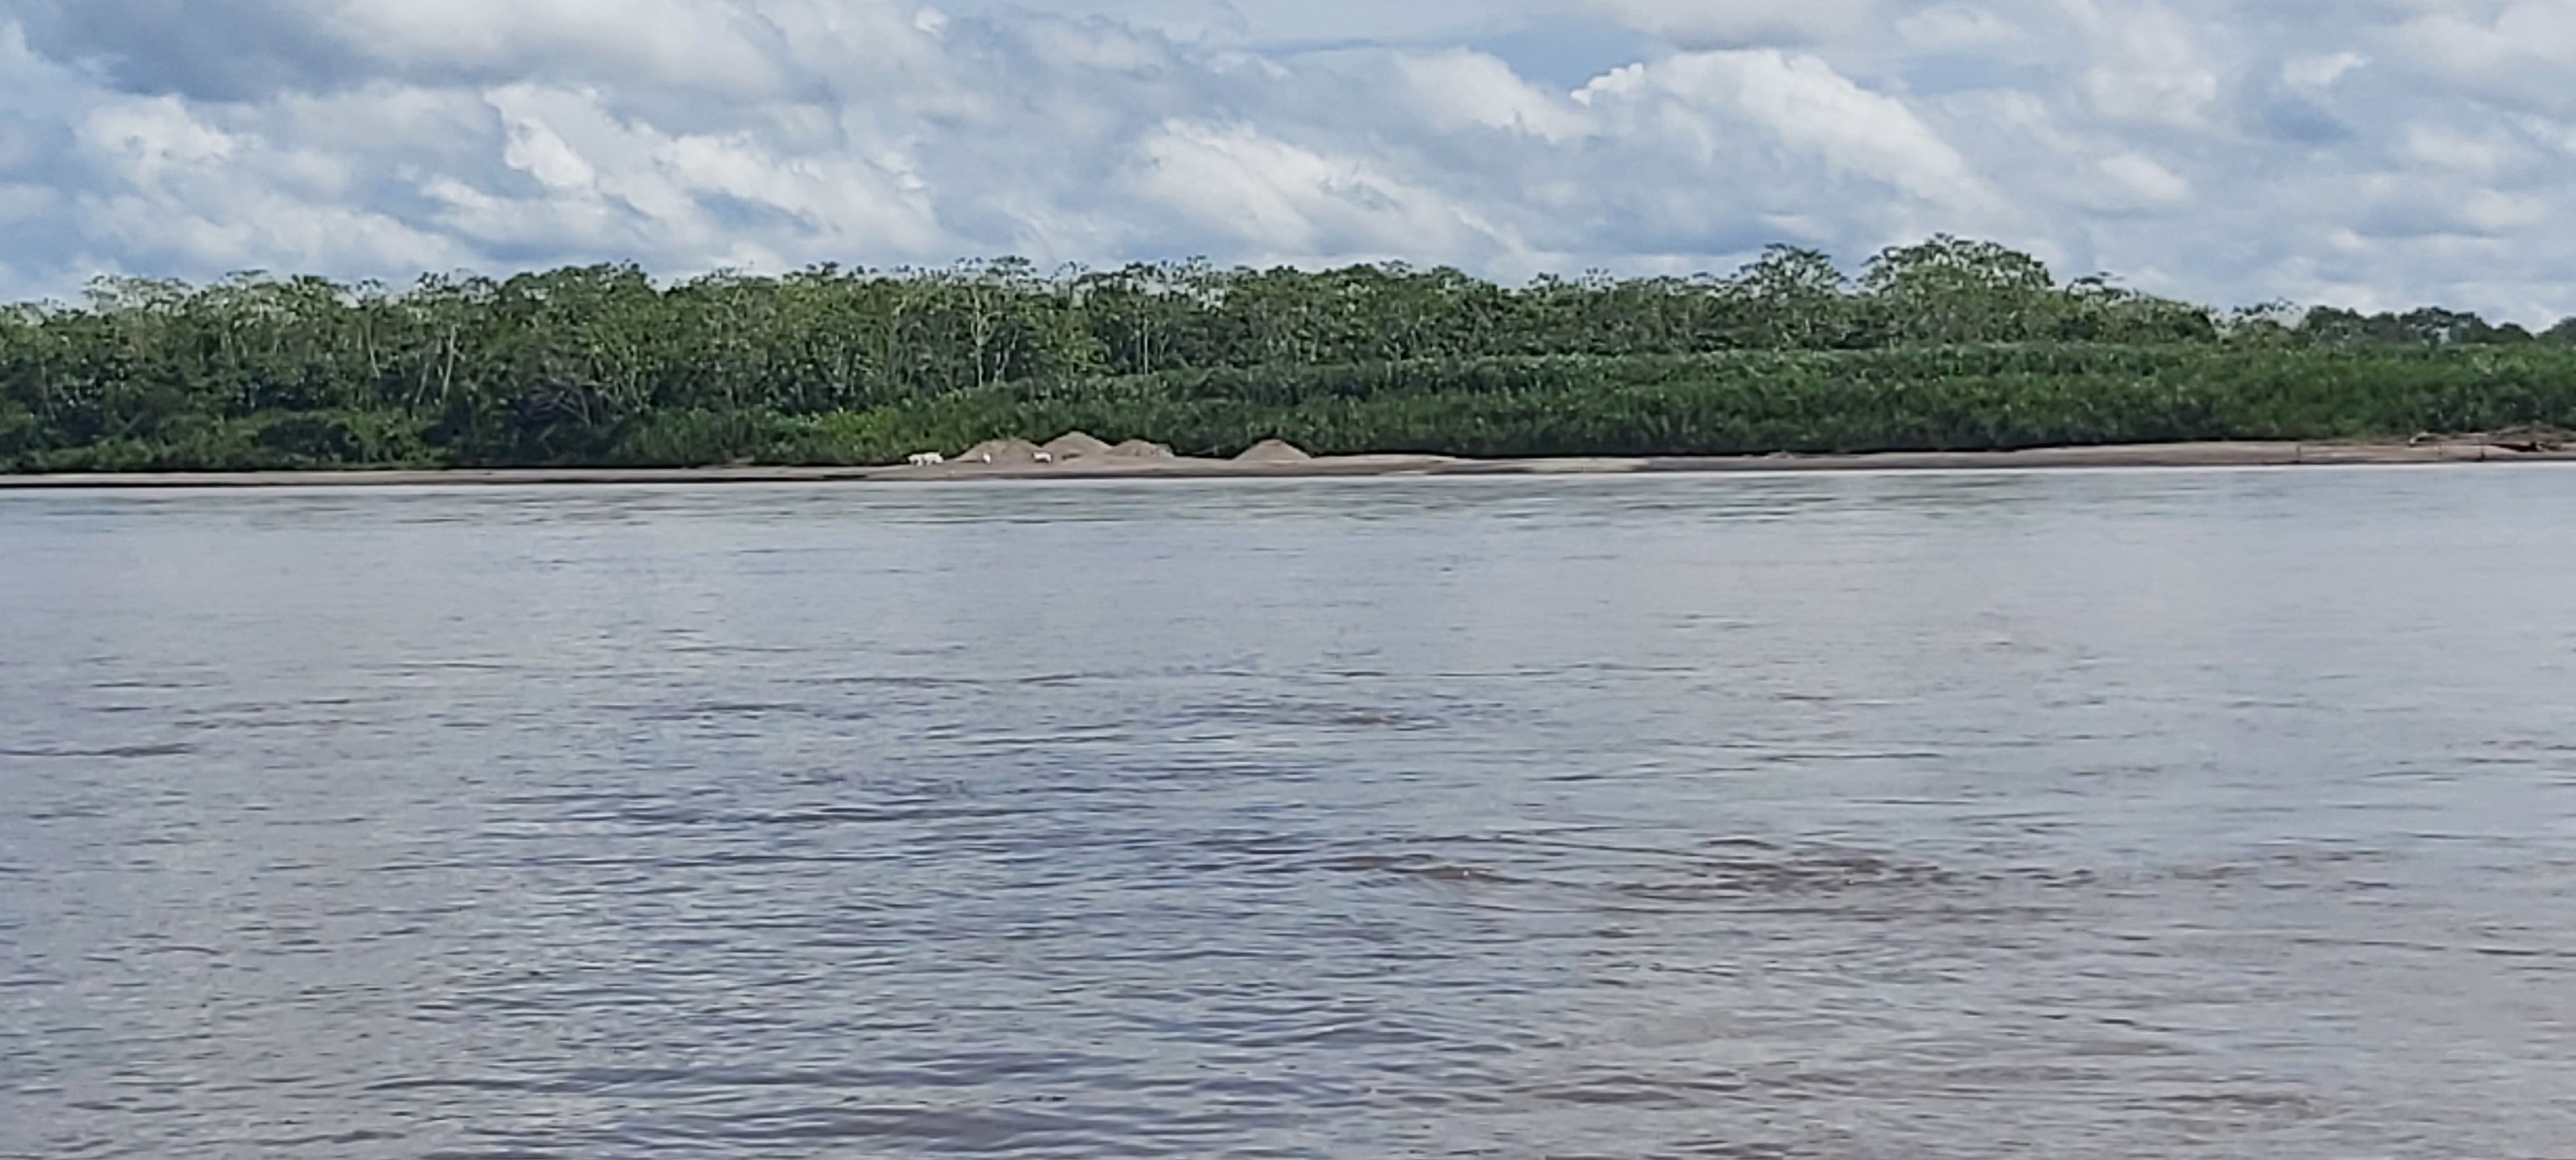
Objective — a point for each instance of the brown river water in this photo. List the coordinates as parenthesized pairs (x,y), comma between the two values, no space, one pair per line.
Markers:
(2111,814)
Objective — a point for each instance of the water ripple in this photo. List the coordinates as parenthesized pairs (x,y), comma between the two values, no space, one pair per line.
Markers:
(2069,815)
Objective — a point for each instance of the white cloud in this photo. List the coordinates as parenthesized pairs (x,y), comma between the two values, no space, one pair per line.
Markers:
(670,42)
(2145,180)
(1804,104)
(2492,211)
(2317,72)
(2149,64)
(1733,23)
(2519,54)
(2527,31)
(537,150)
(615,182)
(1277,198)
(1956,27)
(147,140)
(2449,149)
(1472,88)
(2414,150)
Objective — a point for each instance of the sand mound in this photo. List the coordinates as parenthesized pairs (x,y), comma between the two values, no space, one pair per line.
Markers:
(1076,445)
(1272,451)
(1001,453)
(1140,449)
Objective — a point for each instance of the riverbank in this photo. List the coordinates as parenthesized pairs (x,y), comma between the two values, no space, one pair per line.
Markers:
(2169,455)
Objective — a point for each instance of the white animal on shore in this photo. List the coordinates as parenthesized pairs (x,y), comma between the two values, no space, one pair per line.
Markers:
(926,459)
(1043,457)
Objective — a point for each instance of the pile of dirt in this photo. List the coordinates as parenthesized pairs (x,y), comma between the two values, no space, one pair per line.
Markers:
(1076,445)
(1140,449)
(1001,453)
(1273,451)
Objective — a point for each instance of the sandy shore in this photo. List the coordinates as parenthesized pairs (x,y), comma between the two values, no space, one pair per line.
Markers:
(2464,450)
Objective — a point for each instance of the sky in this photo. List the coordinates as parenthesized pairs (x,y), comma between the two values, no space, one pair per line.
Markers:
(2374,154)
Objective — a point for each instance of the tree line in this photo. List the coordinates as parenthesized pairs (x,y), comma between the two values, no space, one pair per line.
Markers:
(600,364)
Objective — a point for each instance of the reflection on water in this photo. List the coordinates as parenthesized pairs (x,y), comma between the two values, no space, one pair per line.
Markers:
(2075,814)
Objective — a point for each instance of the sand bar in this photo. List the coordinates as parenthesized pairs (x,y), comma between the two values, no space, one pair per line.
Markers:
(2248,454)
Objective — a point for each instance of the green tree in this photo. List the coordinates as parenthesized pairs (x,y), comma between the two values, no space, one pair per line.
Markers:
(1794,299)
(1950,290)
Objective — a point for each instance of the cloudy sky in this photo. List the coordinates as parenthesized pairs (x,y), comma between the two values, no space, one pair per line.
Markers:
(2368,153)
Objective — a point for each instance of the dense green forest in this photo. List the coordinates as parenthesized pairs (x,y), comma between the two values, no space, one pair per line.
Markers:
(1948,344)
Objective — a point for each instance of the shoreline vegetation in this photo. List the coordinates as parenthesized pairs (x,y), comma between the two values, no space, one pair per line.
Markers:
(1947,353)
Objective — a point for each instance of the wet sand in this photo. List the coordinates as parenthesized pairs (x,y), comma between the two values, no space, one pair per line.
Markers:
(2245,454)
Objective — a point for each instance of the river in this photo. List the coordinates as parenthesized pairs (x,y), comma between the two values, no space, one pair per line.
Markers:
(2067,814)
